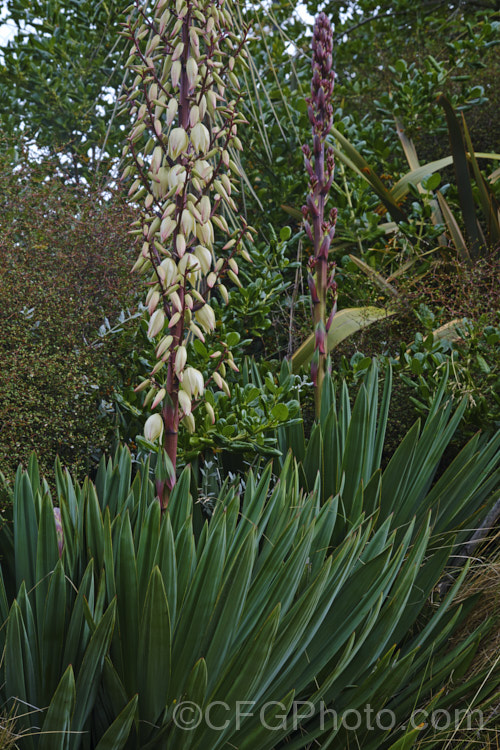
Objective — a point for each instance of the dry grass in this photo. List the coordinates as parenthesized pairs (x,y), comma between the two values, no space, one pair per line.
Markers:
(483,581)
(8,734)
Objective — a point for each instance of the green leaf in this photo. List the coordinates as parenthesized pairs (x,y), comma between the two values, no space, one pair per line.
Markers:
(153,651)
(409,740)
(47,555)
(376,277)
(25,531)
(87,683)
(78,632)
(353,159)
(117,734)
(462,176)
(53,632)
(280,412)
(453,228)
(56,728)
(18,660)
(198,605)
(127,599)
(225,621)
(344,324)
(241,678)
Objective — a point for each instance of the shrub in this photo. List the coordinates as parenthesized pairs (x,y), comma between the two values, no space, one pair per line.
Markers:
(62,272)
(288,593)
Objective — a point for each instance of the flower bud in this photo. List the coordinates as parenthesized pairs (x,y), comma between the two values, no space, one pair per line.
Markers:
(232,276)
(139,263)
(149,397)
(178,142)
(189,423)
(167,226)
(192,382)
(174,319)
(175,301)
(200,138)
(59,530)
(179,49)
(196,331)
(170,269)
(153,302)
(172,109)
(184,402)
(191,72)
(159,397)
(142,386)
(205,208)
(194,115)
(158,366)
(210,412)
(226,183)
(153,428)
(156,323)
(205,257)
(203,106)
(206,318)
(180,245)
(187,222)
(175,73)
(163,346)
(180,359)
(195,42)
(156,159)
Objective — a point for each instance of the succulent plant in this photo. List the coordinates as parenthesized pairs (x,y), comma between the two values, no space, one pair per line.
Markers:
(182,159)
(320,166)
(298,597)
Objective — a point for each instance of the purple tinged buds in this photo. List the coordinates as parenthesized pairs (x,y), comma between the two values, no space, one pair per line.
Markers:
(331,316)
(59,530)
(325,247)
(320,337)
(312,288)
(320,167)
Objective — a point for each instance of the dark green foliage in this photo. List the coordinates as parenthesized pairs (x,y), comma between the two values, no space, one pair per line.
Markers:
(62,273)
(283,595)
(59,76)
(455,313)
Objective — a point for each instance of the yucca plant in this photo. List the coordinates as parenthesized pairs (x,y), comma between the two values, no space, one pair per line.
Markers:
(345,450)
(318,223)
(184,105)
(283,596)
(329,327)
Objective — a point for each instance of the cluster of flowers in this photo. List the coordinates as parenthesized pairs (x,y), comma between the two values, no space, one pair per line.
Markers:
(320,166)
(181,152)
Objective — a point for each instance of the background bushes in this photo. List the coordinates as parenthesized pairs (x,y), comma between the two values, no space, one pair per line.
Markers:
(63,270)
